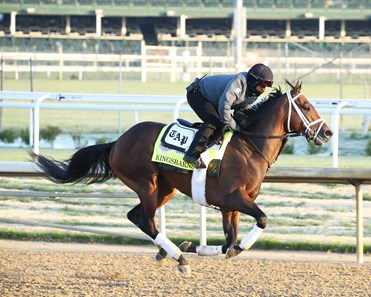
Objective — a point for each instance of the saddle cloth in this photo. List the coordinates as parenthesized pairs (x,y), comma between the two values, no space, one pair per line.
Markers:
(175,139)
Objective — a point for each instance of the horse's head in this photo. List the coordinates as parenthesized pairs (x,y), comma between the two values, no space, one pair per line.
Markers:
(303,118)
(293,108)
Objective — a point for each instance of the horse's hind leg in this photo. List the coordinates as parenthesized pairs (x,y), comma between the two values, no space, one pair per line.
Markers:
(165,193)
(143,216)
(134,214)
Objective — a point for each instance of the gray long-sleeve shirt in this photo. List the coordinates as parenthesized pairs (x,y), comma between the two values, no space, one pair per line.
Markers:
(225,92)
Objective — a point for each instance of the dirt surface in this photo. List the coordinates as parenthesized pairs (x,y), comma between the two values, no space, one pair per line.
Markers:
(56,269)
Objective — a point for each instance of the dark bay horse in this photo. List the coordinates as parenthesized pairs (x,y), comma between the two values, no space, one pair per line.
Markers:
(265,128)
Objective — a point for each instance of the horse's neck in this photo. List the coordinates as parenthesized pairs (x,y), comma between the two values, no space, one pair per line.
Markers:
(273,120)
(272,124)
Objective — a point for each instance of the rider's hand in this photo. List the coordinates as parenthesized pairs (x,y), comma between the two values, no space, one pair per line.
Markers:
(237,129)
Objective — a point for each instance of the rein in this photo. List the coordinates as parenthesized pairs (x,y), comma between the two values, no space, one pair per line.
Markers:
(284,138)
(257,135)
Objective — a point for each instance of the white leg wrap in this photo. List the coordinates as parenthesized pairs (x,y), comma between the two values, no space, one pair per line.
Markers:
(250,238)
(172,250)
(209,250)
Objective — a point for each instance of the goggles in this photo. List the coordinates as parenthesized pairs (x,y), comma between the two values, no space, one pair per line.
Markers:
(263,82)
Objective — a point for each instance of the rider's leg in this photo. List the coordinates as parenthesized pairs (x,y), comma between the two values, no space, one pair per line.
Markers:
(208,114)
(198,144)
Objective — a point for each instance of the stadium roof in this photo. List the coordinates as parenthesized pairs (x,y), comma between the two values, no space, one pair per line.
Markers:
(200,11)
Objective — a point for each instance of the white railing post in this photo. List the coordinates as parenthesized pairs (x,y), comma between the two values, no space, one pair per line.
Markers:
(36,123)
(177,108)
(359,214)
(335,129)
(162,220)
(203,235)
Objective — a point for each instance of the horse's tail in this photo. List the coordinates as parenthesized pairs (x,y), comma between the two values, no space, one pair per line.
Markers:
(88,165)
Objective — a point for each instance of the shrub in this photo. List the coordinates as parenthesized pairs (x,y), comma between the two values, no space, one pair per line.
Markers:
(102,140)
(8,135)
(50,133)
(314,149)
(368,148)
(288,149)
(25,135)
(77,139)
(356,135)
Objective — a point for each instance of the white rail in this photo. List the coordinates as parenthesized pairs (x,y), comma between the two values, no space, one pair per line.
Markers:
(177,64)
(35,101)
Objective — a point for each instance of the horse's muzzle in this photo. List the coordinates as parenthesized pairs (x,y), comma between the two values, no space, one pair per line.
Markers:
(321,137)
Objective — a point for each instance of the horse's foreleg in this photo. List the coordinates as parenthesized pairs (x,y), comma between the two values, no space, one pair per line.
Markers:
(249,208)
(231,220)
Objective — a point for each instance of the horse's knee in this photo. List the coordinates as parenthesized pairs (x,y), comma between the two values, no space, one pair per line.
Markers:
(262,222)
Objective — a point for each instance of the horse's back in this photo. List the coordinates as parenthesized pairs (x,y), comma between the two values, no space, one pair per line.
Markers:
(134,148)
(141,131)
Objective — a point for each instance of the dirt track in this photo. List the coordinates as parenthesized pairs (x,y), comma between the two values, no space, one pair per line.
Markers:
(43,269)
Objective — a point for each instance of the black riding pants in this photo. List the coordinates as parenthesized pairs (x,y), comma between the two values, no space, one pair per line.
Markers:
(210,117)
(203,108)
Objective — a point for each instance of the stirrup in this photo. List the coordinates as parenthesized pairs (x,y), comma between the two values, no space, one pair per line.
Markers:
(195,161)
(199,164)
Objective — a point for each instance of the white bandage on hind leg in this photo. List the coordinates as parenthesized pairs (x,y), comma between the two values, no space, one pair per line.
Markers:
(250,238)
(172,250)
(209,250)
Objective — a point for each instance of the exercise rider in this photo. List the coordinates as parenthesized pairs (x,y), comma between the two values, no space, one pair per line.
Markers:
(213,97)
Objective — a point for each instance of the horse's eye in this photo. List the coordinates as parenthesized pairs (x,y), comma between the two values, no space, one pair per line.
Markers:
(306,107)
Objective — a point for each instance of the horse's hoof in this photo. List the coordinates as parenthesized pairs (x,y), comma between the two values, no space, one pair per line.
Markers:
(233,251)
(184,246)
(184,269)
(160,259)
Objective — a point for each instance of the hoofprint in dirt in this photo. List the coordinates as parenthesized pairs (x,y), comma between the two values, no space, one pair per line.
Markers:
(296,212)
(45,269)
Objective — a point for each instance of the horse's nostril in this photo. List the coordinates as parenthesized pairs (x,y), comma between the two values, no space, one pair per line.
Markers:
(328,133)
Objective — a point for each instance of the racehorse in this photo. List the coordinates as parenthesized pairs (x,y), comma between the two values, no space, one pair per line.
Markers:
(265,128)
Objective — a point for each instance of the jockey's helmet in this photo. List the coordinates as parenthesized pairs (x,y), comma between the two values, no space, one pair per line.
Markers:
(260,74)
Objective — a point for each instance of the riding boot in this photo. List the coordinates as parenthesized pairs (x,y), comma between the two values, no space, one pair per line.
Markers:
(198,145)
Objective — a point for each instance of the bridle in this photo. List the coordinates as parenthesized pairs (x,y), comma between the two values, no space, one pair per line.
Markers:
(310,133)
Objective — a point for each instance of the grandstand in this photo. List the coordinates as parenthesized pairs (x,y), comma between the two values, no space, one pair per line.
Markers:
(119,26)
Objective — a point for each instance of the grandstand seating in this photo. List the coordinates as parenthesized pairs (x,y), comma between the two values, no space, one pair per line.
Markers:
(111,26)
(266,29)
(283,4)
(265,3)
(307,28)
(356,29)
(157,20)
(333,29)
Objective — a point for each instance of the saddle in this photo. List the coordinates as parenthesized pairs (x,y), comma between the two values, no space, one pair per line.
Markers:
(215,138)
(175,139)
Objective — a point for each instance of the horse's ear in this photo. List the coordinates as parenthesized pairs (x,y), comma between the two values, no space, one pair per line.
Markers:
(296,87)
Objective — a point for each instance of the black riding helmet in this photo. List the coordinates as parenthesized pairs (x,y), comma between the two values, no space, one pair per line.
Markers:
(259,74)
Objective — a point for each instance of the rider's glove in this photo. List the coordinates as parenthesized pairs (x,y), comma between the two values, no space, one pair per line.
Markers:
(237,129)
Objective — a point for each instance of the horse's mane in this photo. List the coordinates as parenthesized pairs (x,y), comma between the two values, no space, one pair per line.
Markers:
(247,117)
